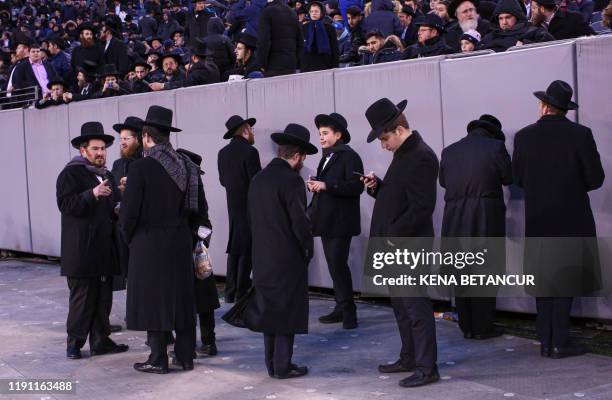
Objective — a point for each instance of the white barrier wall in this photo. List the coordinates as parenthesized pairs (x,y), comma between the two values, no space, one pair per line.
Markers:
(443,96)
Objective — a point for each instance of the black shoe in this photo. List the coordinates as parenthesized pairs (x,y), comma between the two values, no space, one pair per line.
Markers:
(544,351)
(117,348)
(115,328)
(296,372)
(420,379)
(350,323)
(174,359)
(393,368)
(207,350)
(150,368)
(495,332)
(187,365)
(569,351)
(331,318)
(73,353)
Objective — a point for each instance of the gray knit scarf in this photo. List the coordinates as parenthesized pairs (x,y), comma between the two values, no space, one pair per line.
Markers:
(181,169)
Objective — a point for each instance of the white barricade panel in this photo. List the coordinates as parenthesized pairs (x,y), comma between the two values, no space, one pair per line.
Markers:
(201,113)
(48,151)
(137,105)
(356,89)
(14,214)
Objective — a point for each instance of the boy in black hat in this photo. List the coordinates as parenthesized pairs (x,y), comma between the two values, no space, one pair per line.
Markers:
(278,304)
(405,201)
(55,95)
(246,62)
(86,197)
(140,83)
(334,211)
(556,162)
(110,84)
(430,40)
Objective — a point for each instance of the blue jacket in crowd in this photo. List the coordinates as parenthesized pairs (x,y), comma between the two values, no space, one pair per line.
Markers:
(383,18)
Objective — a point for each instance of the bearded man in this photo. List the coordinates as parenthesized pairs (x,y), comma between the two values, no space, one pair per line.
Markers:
(466,13)
(89,50)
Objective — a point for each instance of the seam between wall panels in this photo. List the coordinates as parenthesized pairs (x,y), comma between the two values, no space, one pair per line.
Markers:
(25,153)
(441,103)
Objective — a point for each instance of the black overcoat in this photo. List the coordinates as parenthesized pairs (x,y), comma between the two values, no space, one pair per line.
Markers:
(473,171)
(158,231)
(282,248)
(335,211)
(117,54)
(314,61)
(87,246)
(406,196)
(238,163)
(569,25)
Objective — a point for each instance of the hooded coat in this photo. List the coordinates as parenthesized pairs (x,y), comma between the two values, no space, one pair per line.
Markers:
(383,18)
(219,46)
(432,47)
(500,40)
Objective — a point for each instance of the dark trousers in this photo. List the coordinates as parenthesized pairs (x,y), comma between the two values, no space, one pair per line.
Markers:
(336,254)
(476,314)
(238,276)
(184,346)
(415,320)
(88,312)
(553,320)
(279,350)
(207,327)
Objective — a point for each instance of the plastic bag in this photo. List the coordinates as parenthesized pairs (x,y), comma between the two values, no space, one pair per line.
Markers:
(203,263)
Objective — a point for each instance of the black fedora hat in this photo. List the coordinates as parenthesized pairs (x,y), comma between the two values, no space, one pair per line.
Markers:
(86,26)
(547,2)
(431,20)
(234,122)
(195,158)
(177,58)
(200,48)
(92,130)
(296,135)
(452,7)
(160,117)
(141,62)
(336,120)
(56,81)
(489,123)
(558,94)
(131,123)
(248,40)
(382,113)
(108,70)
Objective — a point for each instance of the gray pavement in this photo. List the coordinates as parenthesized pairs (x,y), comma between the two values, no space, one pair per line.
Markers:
(33,309)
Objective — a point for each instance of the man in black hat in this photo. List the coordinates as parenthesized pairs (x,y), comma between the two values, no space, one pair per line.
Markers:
(409,33)
(196,25)
(474,206)
(55,95)
(279,40)
(238,162)
(170,65)
(140,82)
(278,304)
(334,211)
(561,24)
(556,163)
(514,29)
(159,212)
(86,83)
(115,50)
(89,49)
(202,71)
(246,63)
(430,40)
(110,83)
(466,13)
(86,197)
(405,201)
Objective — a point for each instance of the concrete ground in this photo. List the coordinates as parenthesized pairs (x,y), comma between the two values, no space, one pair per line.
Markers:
(33,309)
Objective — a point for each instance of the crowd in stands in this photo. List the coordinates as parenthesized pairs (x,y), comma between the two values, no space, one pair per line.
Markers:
(61,51)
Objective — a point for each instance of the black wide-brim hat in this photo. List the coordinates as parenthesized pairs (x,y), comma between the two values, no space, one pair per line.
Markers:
(92,130)
(56,81)
(195,158)
(336,120)
(489,123)
(200,48)
(295,135)
(131,123)
(108,70)
(161,118)
(177,57)
(558,94)
(247,39)
(452,7)
(142,63)
(431,20)
(86,26)
(382,113)
(234,122)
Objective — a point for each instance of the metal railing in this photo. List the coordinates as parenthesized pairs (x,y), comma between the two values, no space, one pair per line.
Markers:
(19,98)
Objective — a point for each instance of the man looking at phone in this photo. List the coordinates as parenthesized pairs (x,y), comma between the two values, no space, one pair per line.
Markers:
(85,197)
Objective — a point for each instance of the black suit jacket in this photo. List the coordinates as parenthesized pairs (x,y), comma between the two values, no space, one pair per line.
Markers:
(335,211)
(117,55)
(24,77)
(406,196)
(238,163)
(279,38)
(569,25)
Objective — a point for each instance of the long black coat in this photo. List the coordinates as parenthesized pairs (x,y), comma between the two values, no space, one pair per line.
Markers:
(87,247)
(406,196)
(278,303)
(473,171)
(499,40)
(117,54)
(158,231)
(556,162)
(569,25)
(81,54)
(201,73)
(196,26)
(279,38)
(238,163)
(335,211)
(314,61)
(432,47)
